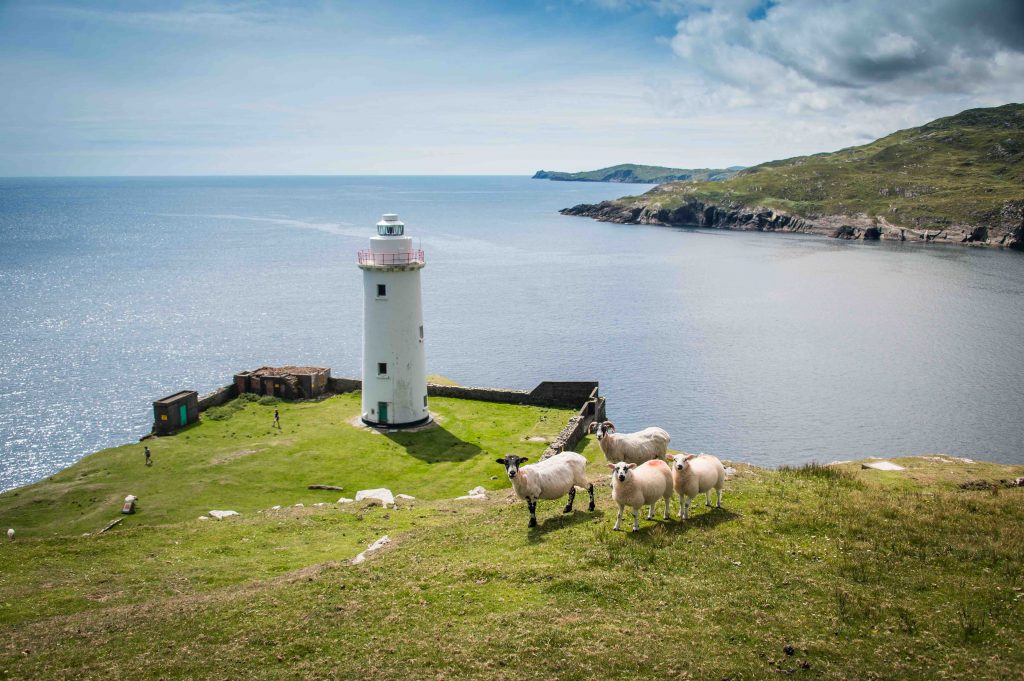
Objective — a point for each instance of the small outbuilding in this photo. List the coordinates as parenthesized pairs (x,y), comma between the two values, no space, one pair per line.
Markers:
(175,411)
(288,382)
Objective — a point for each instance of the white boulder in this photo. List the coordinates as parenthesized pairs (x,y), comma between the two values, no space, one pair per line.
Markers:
(883,466)
(345,500)
(407,497)
(221,515)
(379,544)
(381,495)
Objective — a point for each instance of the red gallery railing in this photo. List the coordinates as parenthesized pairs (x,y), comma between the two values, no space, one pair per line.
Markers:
(368,257)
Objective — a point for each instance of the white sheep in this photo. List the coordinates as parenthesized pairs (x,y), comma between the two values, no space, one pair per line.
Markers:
(635,486)
(10,534)
(693,475)
(644,445)
(551,478)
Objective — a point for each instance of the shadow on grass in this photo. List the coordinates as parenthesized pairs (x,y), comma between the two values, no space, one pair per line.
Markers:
(708,520)
(562,520)
(434,445)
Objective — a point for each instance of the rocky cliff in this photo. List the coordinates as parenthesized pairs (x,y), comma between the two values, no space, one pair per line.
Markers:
(1006,228)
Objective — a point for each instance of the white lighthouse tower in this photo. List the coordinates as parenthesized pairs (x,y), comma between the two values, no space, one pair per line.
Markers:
(394,363)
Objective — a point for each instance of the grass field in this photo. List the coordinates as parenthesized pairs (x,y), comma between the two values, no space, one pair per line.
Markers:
(856,573)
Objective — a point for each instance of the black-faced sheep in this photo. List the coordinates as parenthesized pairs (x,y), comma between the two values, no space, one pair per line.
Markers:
(693,475)
(636,486)
(551,478)
(644,445)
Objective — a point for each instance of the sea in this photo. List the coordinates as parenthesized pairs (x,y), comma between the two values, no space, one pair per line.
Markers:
(766,348)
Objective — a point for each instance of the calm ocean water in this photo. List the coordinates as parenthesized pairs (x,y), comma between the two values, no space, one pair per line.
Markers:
(760,347)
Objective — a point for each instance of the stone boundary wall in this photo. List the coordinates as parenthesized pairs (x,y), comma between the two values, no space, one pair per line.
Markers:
(217,397)
(592,410)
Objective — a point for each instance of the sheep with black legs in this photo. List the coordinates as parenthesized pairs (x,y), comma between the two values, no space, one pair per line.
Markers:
(644,445)
(551,478)
(636,486)
(693,475)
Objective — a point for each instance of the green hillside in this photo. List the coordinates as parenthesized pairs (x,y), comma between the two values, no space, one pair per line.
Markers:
(956,179)
(814,572)
(632,173)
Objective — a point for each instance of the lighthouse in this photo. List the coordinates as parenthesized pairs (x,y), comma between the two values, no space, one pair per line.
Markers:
(394,363)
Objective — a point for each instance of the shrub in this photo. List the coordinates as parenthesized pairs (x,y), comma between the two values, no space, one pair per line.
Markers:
(269,400)
(817,470)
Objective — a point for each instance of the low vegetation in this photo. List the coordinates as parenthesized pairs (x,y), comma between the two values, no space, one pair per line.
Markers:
(811,572)
(630,172)
(963,169)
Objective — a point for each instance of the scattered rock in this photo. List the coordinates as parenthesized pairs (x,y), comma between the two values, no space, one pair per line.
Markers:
(788,649)
(730,472)
(375,546)
(477,490)
(381,495)
(407,497)
(203,517)
(494,477)
(10,534)
(113,523)
(883,466)
(221,515)
(275,508)
(321,504)
(345,500)
(299,505)
(327,487)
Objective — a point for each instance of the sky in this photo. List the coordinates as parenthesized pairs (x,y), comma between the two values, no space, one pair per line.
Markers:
(238,87)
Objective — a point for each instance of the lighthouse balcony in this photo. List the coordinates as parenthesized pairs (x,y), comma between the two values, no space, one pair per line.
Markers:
(400,259)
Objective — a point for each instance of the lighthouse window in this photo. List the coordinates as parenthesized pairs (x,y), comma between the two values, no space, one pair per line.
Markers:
(382,368)
(424,400)
(382,290)
(421,332)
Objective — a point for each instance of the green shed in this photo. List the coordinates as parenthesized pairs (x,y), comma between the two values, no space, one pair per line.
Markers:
(175,411)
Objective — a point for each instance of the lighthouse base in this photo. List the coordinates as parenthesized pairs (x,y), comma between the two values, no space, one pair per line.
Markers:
(396,426)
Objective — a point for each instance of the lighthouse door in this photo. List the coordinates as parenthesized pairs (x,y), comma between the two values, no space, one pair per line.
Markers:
(382,411)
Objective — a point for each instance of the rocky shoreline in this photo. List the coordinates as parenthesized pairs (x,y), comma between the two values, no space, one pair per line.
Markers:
(1007,230)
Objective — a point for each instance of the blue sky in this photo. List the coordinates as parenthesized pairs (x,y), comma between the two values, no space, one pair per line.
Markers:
(218,87)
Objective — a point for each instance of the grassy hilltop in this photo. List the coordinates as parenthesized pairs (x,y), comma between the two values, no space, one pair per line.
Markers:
(956,179)
(814,572)
(638,174)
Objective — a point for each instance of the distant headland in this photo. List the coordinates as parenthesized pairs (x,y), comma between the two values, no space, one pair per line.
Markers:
(631,173)
(958,179)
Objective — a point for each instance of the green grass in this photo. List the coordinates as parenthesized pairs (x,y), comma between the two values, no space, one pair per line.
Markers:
(963,169)
(866,574)
(240,461)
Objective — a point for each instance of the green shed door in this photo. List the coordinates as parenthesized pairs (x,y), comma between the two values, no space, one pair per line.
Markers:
(183,410)
(382,410)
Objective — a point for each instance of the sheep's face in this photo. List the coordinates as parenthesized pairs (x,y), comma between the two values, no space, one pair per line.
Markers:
(511,462)
(621,470)
(680,462)
(602,429)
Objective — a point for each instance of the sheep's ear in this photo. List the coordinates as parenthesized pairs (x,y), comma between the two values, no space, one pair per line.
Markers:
(631,466)
(690,456)
(524,459)
(669,457)
(501,461)
(612,466)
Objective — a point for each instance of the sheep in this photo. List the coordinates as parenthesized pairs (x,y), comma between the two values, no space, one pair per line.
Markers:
(551,478)
(644,445)
(10,534)
(635,486)
(693,475)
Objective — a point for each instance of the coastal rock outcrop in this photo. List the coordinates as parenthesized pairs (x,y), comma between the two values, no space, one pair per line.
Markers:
(1005,230)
